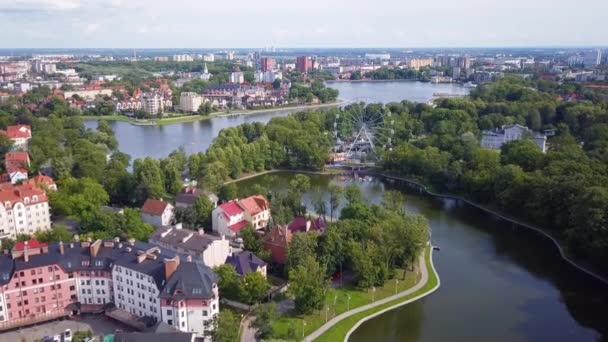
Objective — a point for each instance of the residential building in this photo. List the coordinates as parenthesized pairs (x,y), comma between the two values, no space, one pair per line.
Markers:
(417,63)
(277,241)
(190,101)
(183,58)
(378,56)
(268,76)
(209,249)
(24,209)
(209,57)
(20,135)
(88,94)
(231,217)
(494,139)
(43,182)
(16,164)
(228,219)
(304,64)
(237,77)
(592,58)
(152,103)
(157,212)
(247,262)
(268,64)
(301,224)
(121,336)
(40,282)
(189,195)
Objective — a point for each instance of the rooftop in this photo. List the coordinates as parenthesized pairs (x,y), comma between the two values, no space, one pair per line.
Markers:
(154,207)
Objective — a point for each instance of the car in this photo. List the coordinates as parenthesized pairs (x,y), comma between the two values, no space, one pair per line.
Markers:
(57,338)
(47,339)
(67,335)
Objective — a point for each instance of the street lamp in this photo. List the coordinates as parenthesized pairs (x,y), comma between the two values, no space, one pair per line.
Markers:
(373,293)
(326,313)
(348,302)
(396,283)
(303,325)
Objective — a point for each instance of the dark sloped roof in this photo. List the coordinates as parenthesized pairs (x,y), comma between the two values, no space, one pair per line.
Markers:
(175,237)
(245,262)
(191,280)
(153,337)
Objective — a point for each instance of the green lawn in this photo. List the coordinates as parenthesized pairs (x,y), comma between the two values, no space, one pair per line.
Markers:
(338,331)
(337,302)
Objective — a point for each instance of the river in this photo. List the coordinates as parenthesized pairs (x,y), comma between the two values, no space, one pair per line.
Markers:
(159,141)
(499,282)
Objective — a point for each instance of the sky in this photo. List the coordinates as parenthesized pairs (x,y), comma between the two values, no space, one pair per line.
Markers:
(301,24)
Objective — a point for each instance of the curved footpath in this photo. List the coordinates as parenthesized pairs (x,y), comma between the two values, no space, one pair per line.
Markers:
(506,218)
(423,281)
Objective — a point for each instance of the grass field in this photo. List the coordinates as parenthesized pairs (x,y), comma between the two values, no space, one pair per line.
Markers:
(338,332)
(337,302)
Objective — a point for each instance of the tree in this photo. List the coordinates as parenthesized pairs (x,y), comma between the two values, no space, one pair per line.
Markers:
(224,327)
(335,195)
(276,84)
(253,287)
(524,153)
(394,201)
(58,233)
(251,240)
(228,281)
(265,316)
(320,205)
(302,245)
(77,197)
(148,178)
(202,209)
(307,284)
(215,176)
(228,192)
(352,194)
(298,186)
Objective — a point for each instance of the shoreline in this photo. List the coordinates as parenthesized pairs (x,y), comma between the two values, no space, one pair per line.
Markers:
(505,217)
(194,118)
(332,330)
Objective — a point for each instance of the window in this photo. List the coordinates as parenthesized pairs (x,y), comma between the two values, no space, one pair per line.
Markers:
(169,313)
(170,322)
(33,272)
(205,313)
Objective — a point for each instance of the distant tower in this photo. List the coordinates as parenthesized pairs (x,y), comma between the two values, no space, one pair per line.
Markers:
(206,71)
(134,55)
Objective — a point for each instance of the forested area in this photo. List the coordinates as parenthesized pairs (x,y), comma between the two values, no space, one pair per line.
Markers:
(564,190)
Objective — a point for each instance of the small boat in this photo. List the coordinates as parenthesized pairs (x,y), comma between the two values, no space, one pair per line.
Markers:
(436,248)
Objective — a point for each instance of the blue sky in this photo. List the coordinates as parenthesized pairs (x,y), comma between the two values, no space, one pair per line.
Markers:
(308,23)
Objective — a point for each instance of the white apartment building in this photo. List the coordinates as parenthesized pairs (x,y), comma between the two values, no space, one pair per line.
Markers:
(152,103)
(24,209)
(237,77)
(190,101)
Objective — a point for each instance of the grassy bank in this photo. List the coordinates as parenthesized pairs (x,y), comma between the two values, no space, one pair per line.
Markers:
(180,118)
(339,331)
(337,301)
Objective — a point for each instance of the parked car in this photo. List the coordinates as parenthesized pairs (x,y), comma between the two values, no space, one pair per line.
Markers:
(67,335)
(57,338)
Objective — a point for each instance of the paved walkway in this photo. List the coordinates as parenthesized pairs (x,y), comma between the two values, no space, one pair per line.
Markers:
(423,279)
(247,332)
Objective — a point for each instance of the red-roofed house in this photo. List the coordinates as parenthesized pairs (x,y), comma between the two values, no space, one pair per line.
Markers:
(42,181)
(24,209)
(19,134)
(277,242)
(16,164)
(157,212)
(229,218)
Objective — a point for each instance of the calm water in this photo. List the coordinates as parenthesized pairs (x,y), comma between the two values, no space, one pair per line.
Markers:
(394,91)
(158,142)
(498,282)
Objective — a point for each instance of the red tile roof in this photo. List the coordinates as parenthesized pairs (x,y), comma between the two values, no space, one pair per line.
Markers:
(41,179)
(16,193)
(238,226)
(16,161)
(231,208)
(254,204)
(32,243)
(154,207)
(18,131)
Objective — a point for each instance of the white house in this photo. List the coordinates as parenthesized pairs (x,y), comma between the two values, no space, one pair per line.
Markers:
(157,212)
(496,138)
(211,250)
(229,218)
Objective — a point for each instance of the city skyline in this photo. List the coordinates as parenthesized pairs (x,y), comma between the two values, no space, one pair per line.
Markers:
(340,24)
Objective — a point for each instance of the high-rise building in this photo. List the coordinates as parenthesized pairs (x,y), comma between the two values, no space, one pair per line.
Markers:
(268,64)
(237,77)
(304,64)
(592,58)
(152,103)
(190,101)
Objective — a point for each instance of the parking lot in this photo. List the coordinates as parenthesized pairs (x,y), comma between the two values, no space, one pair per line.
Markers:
(98,324)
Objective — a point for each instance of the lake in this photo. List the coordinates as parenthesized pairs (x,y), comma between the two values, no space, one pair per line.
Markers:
(159,141)
(499,282)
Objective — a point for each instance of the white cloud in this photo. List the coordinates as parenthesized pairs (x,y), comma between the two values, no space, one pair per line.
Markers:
(40,5)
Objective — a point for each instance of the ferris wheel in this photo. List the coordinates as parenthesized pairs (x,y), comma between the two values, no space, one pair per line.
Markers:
(359,131)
